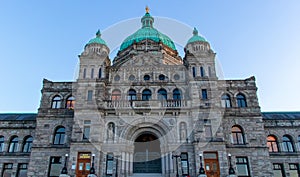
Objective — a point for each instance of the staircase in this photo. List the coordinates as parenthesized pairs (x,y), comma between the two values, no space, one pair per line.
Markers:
(147,175)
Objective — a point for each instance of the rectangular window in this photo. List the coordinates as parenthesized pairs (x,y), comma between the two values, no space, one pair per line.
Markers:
(86,132)
(278,170)
(90,95)
(184,163)
(109,164)
(204,94)
(294,170)
(7,170)
(242,166)
(55,166)
(22,170)
(86,129)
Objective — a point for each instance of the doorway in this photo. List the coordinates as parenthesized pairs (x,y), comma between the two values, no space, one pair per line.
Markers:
(211,164)
(147,156)
(83,164)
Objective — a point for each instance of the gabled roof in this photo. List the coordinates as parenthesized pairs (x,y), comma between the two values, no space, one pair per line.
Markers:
(281,115)
(18,116)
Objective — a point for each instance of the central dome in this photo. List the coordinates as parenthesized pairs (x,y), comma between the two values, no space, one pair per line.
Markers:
(147,32)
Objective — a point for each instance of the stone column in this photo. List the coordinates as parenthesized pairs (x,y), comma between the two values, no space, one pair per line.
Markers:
(131,163)
(163,165)
(123,163)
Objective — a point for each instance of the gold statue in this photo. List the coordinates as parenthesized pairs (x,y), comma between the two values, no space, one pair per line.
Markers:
(147,9)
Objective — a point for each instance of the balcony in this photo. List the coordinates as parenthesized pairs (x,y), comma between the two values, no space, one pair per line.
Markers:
(146,104)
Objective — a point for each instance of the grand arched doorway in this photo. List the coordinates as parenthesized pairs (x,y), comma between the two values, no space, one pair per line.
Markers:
(147,156)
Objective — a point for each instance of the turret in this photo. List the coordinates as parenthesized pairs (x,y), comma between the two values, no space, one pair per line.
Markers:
(199,57)
(94,60)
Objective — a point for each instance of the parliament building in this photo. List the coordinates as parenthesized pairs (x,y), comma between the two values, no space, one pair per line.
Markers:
(150,112)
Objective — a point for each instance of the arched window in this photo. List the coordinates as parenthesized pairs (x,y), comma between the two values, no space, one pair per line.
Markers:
(116,95)
(146,95)
(241,101)
(70,102)
(183,131)
(131,95)
(13,144)
(226,101)
(27,144)
(100,73)
(162,94)
(176,94)
(56,102)
(272,143)
(202,73)
(237,135)
(287,144)
(59,136)
(110,131)
(1,143)
(84,73)
(194,72)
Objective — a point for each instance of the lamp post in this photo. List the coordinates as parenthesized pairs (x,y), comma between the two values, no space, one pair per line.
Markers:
(231,170)
(201,170)
(92,171)
(64,170)
(176,156)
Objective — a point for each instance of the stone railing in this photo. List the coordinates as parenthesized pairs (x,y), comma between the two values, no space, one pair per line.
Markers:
(146,104)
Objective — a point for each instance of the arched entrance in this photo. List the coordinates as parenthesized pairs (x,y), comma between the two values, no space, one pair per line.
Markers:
(147,156)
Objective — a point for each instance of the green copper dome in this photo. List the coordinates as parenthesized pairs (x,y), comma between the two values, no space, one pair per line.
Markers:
(196,37)
(147,32)
(97,39)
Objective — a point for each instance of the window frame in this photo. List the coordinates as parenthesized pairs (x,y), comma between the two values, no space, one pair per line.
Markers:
(27,144)
(58,162)
(70,103)
(287,144)
(177,95)
(13,144)
(56,102)
(116,94)
(162,94)
(2,143)
(226,101)
(60,135)
(7,166)
(146,95)
(272,143)
(22,166)
(238,137)
(132,95)
(241,100)
(244,163)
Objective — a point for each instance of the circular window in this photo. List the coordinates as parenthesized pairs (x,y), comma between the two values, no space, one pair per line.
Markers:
(161,77)
(131,77)
(176,77)
(117,78)
(146,77)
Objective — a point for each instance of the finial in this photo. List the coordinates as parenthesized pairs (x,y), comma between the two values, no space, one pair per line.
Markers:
(195,31)
(147,9)
(98,34)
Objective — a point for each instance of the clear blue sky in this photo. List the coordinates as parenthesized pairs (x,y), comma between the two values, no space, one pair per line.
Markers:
(41,39)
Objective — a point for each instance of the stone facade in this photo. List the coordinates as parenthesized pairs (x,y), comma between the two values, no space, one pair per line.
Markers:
(147,110)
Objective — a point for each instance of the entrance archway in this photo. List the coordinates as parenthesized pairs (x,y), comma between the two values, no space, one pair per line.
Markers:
(147,156)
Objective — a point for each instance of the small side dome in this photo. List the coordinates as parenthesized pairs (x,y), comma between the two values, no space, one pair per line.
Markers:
(97,39)
(196,37)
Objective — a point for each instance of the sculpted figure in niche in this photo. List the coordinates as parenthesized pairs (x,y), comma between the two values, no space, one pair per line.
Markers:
(111,131)
(183,133)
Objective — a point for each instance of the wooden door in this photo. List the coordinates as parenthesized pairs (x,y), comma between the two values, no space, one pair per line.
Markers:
(83,164)
(211,164)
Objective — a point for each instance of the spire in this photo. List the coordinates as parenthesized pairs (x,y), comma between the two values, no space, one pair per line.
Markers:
(195,31)
(147,20)
(98,34)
